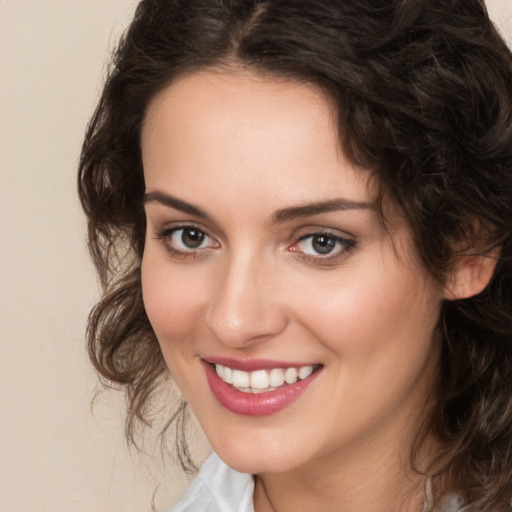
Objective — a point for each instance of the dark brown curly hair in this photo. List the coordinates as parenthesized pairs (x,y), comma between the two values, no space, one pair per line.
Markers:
(424,93)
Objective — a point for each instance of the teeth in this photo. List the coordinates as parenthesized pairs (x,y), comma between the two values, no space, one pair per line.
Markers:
(259,379)
(240,379)
(290,375)
(228,375)
(254,382)
(305,372)
(276,377)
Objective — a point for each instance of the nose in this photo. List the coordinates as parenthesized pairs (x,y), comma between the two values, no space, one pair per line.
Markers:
(245,307)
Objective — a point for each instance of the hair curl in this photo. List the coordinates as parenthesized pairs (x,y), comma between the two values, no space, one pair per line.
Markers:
(424,92)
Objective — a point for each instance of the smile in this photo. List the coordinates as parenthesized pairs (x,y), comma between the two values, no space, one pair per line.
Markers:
(258,391)
(262,381)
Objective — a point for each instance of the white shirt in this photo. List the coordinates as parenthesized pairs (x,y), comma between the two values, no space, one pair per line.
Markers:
(218,488)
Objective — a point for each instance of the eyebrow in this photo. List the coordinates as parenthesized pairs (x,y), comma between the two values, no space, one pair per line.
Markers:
(174,202)
(333,205)
(279,217)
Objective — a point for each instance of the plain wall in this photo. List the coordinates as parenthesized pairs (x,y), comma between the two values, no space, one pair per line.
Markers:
(55,455)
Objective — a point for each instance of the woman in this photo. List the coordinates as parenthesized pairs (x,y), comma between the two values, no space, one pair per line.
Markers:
(300,211)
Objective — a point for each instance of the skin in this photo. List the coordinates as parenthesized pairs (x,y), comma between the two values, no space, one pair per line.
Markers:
(240,148)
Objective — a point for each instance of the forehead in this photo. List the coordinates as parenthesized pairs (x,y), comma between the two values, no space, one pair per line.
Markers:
(215,126)
(239,102)
(242,89)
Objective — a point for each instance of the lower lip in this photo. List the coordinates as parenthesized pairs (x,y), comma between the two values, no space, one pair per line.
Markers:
(255,404)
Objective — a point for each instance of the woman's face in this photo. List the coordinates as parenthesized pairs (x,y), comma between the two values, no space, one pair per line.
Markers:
(265,263)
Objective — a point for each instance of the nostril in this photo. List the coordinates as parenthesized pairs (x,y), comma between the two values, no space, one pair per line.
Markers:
(243,310)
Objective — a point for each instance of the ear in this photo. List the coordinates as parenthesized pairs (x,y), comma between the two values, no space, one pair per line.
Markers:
(470,275)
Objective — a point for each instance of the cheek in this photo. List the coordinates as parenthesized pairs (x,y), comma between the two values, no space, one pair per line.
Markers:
(172,300)
(378,330)
(385,309)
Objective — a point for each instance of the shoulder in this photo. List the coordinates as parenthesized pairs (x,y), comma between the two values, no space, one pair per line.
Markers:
(217,488)
(450,503)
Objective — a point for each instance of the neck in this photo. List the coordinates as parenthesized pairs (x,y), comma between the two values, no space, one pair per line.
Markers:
(370,472)
(355,480)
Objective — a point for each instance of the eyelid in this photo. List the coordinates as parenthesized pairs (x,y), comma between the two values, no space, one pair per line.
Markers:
(169,227)
(158,214)
(347,242)
(165,233)
(307,231)
(344,241)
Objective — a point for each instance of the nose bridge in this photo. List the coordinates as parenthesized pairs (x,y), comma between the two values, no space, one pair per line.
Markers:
(244,307)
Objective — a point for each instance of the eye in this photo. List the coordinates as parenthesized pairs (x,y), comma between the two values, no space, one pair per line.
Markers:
(186,240)
(323,246)
(321,243)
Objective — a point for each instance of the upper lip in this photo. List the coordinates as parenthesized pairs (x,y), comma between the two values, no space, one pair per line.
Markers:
(249,365)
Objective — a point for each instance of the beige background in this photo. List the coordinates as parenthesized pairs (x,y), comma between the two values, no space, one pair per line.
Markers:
(55,456)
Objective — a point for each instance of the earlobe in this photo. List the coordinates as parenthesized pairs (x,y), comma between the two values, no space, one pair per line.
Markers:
(470,275)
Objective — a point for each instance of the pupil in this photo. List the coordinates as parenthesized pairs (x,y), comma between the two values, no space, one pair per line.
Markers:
(323,244)
(192,238)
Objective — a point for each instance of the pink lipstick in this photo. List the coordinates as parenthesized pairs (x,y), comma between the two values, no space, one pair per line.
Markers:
(269,398)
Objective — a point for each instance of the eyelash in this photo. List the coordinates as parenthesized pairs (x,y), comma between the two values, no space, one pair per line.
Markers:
(166,237)
(342,246)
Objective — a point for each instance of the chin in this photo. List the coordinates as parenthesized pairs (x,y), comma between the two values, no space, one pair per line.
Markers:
(255,458)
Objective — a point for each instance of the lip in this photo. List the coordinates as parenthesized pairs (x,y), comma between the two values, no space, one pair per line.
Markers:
(250,365)
(260,404)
